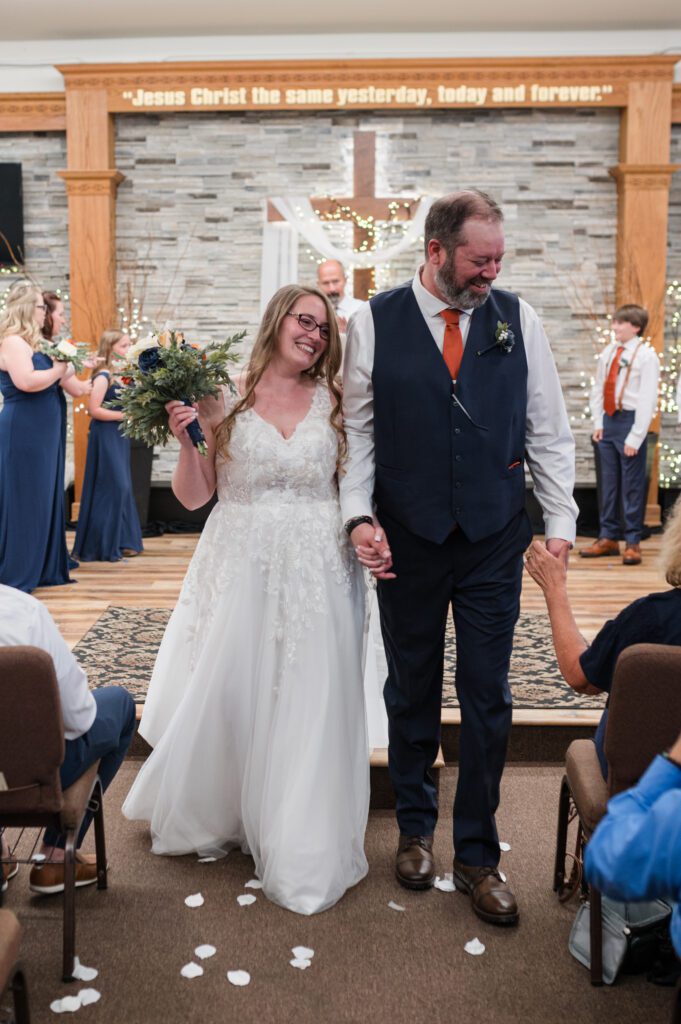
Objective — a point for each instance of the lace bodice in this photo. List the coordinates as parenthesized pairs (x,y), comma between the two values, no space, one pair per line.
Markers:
(266,467)
(277,507)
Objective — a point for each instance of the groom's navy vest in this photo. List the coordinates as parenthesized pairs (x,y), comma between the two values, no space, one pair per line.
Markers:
(435,469)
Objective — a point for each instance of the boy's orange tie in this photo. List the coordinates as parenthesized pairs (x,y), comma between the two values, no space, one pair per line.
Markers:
(609,399)
(452,350)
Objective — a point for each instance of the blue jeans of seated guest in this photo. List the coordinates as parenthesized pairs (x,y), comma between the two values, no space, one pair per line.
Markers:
(107,740)
(623,478)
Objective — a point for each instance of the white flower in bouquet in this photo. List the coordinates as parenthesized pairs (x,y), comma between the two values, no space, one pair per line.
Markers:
(140,346)
(67,349)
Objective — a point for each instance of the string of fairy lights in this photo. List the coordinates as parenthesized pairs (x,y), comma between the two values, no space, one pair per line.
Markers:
(377,233)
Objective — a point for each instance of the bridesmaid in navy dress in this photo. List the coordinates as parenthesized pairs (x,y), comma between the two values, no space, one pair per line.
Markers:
(55,319)
(108,524)
(32,538)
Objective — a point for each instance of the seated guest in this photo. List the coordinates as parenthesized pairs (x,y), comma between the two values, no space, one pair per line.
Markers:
(655,619)
(98,726)
(635,852)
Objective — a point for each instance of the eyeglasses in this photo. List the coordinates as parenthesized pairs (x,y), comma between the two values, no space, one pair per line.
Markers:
(308,323)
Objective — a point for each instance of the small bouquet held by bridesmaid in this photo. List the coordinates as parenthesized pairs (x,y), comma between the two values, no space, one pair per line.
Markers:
(164,368)
(67,352)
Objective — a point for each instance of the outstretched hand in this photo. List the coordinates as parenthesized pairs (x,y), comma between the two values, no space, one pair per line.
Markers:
(372,550)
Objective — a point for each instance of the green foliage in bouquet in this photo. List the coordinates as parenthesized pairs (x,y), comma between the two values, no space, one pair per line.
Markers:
(67,352)
(165,368)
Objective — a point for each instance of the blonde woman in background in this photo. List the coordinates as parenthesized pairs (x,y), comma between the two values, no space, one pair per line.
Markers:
(32,538)
(108,523)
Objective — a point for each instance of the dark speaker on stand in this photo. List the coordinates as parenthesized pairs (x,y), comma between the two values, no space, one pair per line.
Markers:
(11,216)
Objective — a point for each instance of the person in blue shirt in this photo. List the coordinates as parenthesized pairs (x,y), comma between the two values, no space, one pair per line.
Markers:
(655,619)
(635,852)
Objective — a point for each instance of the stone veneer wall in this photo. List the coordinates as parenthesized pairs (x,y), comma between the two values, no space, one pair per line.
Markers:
(190,211)
(46,238)
(670,433)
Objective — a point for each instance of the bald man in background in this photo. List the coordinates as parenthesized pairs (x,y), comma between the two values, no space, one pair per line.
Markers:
(331,280)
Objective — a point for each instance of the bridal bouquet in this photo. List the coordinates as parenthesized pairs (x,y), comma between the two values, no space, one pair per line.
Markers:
(66,352)
(163,368)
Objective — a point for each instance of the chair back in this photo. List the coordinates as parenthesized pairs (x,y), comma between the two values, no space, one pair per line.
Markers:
(31,733)
(645,711)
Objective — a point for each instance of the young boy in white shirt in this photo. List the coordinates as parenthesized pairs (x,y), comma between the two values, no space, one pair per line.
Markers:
(623,402)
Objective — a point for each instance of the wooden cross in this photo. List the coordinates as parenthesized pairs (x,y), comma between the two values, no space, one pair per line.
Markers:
(365,202)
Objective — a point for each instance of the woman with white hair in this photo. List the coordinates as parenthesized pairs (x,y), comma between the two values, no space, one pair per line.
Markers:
(32,539)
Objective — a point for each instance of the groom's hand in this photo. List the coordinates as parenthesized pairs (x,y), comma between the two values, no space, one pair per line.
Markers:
(372,550)
(560,549)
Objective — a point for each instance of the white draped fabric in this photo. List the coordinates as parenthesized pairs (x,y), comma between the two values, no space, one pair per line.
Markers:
(281,238)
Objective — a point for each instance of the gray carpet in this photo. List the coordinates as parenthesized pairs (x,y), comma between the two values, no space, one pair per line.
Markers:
(371,964)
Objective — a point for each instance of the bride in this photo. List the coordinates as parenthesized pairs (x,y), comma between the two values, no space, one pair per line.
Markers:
(255,708)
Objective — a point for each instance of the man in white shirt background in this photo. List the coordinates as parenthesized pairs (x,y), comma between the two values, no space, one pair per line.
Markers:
(98,726)
(332,281)
(623,401)
(449,387)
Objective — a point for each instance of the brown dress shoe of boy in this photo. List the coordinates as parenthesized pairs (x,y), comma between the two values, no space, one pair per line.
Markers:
(632,555)
(601,548)
(47,877)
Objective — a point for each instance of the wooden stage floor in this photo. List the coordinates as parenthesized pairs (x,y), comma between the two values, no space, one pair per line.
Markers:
(599,589)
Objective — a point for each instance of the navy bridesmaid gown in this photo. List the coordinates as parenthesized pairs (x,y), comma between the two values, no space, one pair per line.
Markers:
(32,540)
(108,521)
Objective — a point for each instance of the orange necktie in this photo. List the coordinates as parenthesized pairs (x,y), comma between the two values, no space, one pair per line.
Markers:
(609,399)
(452,350)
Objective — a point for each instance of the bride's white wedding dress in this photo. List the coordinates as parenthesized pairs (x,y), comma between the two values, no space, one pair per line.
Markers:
(256,707)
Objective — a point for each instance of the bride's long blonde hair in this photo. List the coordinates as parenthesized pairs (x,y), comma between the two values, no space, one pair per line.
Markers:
(264,349)
(18,316)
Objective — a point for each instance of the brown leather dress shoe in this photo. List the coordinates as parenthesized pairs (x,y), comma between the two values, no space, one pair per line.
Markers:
(47,877)
(632,555)
(415,864)
(600,548)
(491,897)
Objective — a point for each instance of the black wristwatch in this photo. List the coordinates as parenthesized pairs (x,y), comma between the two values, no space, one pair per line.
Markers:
(357,521)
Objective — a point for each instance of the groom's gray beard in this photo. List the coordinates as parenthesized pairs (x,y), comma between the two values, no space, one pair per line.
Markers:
(460,298)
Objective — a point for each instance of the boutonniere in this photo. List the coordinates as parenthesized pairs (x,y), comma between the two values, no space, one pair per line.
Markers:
(504,339)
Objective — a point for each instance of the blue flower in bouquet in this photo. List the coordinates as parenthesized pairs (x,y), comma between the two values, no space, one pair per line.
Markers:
(149,359)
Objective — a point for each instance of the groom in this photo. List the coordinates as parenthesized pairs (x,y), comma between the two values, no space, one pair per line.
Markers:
(449,387)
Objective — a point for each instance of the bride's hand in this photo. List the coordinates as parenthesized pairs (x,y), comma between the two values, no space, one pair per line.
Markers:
(179,418)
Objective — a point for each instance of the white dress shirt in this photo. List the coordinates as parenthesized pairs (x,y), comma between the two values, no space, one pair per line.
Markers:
(550,447)
(24,620)
(640,393)
(347,306)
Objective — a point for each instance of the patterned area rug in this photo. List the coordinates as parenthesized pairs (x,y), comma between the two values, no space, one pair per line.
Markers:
(120,650)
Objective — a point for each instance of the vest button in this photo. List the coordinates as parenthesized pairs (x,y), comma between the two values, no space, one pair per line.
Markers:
(457,484)
(458,458)
(457,510)
(457,430)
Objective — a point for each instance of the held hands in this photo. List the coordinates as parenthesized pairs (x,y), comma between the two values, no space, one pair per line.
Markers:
(547,568)
(372,550)
(179,418)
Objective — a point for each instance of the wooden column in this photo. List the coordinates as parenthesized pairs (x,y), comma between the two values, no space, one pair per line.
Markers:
(91,183)
(643,176)
(364,185)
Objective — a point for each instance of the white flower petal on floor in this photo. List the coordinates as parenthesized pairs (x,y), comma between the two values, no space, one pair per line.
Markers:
(82,973)
(245,899)
(301,963)
(196,900)
(302,953)
(505,847)
(238,978)
(69,1004)
(474,947)
(191,970)
(206,860)
(254,883)
(88,996)
(502,876)
(395,906)
(203,952)
(444,884)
